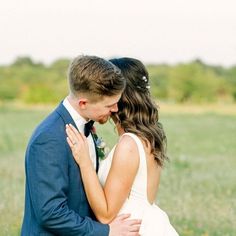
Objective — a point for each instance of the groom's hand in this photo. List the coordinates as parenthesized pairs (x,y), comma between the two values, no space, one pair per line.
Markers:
(122,226)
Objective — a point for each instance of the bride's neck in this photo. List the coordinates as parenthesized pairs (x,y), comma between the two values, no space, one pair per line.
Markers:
(119,129)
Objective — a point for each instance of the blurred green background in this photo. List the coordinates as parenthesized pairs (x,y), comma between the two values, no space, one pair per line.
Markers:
(193,82)
(198,112)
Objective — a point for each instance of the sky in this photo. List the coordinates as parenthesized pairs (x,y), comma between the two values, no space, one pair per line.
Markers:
(154,31)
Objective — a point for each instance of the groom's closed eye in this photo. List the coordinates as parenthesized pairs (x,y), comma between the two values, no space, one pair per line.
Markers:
(112,105)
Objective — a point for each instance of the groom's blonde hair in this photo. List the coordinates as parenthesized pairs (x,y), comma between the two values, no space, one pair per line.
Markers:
(95,77)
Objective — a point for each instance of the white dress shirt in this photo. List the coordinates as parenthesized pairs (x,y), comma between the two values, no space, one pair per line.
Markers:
(80,122)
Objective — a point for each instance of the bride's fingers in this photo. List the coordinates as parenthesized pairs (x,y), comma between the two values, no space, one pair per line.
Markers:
(123,216)
(76,132)
(71,134)
(69,142)
(72,141)
(83,137)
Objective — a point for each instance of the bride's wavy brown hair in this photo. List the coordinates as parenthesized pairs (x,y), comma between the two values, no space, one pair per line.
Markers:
(138,113)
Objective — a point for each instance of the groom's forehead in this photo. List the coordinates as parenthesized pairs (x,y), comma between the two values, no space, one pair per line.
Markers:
(111,100)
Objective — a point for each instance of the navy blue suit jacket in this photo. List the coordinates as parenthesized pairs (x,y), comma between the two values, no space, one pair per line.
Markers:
(55,200)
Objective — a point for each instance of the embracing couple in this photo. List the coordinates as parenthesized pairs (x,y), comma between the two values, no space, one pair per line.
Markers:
(68,192)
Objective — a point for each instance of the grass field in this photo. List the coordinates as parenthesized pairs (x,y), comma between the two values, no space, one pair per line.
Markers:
(197,190)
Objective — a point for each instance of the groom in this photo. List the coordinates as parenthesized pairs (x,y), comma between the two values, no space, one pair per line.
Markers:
(55,200)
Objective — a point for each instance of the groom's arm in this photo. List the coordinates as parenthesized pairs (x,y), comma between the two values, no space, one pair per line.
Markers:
(47,172)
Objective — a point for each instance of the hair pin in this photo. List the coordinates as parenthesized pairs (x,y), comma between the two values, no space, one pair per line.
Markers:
(144,78)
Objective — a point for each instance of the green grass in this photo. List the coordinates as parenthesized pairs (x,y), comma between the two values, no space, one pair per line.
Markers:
(197,188)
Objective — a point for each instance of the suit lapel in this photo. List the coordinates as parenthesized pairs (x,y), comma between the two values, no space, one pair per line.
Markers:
(97,160)
(62,111)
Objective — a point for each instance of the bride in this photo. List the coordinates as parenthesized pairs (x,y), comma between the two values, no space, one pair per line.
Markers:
(129,177)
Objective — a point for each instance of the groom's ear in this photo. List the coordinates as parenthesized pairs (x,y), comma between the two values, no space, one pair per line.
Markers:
(83,103)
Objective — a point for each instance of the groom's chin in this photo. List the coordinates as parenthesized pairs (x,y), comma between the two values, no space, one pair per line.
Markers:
(103,120)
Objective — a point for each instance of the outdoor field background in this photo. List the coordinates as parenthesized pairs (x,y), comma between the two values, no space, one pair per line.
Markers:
(197,189)
(188,48)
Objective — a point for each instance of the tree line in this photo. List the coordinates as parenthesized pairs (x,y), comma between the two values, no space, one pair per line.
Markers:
(193,82)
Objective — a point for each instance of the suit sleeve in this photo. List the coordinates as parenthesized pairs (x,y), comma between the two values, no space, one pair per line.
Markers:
(47,170)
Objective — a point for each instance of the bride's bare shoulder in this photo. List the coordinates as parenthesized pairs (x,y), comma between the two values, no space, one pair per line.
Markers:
(127,148)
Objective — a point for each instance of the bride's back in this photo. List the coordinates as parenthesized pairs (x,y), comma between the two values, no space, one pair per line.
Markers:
(153,174)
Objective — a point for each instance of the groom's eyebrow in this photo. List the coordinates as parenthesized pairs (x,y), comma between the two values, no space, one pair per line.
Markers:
(112,104)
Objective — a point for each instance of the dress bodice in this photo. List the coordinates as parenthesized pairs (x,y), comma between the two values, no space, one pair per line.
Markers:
(139,187)
(154,220)
(138,192)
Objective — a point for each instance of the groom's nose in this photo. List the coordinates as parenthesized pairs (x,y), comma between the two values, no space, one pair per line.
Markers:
(114,108)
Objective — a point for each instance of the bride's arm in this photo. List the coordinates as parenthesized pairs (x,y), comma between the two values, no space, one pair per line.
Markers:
(106,202)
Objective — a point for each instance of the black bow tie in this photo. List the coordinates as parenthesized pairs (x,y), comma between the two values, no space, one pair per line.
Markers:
(87,127)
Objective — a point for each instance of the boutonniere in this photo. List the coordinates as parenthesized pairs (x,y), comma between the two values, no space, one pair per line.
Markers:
(101,146)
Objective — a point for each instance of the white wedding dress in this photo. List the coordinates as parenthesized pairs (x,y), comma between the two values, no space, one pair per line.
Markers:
(155,221)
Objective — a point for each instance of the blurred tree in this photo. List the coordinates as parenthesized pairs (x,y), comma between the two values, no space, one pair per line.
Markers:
(231,78)
(26,61)
(159,80)
(195,81)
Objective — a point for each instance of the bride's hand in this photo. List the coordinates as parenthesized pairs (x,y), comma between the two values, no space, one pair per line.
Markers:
(79,145)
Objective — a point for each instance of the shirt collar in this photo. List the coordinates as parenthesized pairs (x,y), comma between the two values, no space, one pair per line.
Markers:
(78,119)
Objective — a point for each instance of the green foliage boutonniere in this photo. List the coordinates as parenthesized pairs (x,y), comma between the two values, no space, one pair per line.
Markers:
(102,149)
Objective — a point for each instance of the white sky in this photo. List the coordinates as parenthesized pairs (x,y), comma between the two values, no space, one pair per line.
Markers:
(151,30)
